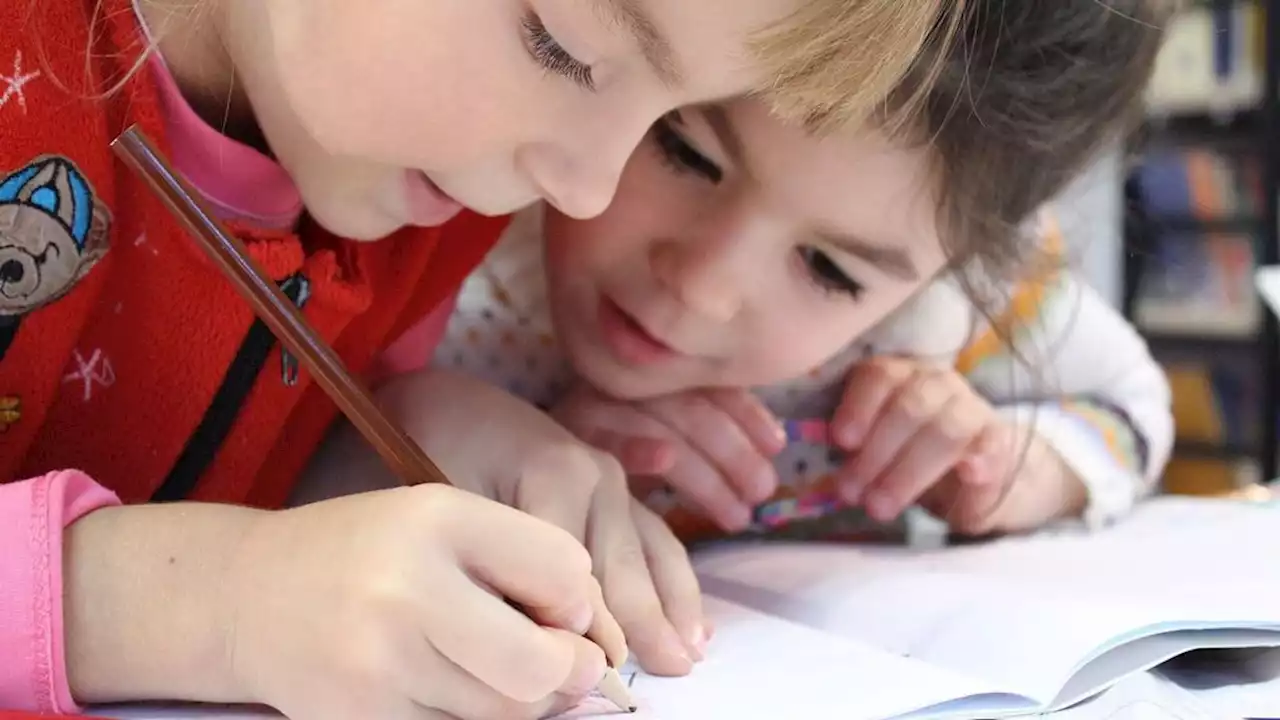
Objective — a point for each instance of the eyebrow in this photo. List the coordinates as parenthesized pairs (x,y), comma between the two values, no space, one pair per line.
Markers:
(893,261)
(633,16)
(725,132)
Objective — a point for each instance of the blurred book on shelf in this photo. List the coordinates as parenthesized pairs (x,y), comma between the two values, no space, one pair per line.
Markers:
(1198,285)
(1212,61)
(1202,185)
(1215,412)
(1202,207)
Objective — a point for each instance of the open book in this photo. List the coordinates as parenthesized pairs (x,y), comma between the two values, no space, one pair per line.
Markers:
(1017,627)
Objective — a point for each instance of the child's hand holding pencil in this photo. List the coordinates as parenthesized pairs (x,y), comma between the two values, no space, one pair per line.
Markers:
(395,604)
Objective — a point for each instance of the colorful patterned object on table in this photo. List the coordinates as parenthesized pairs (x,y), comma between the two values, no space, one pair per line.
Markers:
(812,510)
(812,432)
(809,502)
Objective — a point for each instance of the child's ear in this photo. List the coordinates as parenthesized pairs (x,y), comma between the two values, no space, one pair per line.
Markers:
(95,243)
(97,240)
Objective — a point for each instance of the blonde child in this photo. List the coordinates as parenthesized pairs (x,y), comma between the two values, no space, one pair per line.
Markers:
(131,373)
(852,278)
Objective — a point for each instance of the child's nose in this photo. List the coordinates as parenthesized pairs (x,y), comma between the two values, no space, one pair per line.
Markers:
(579,177)
(698,278)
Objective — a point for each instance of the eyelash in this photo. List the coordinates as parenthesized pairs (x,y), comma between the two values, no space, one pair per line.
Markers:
(827,275)
(547,52)
(682,157)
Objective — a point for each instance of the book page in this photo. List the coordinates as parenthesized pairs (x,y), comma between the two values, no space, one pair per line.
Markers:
(1024,613)
(1143,696)
(764,668)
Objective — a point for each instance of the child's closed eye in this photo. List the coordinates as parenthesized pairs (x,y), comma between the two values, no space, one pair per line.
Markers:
(680,155)
(826,273)
(551,55)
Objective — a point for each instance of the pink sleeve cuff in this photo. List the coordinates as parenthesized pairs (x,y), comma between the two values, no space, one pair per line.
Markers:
(33,513)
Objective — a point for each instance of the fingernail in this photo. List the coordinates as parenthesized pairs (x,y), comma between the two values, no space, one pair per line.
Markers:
(879,507)
(698,643)
(779,436)
(851,491)
(676,646)
(737,519)
(585,680)
(848,436)
(580,619)
(762,486)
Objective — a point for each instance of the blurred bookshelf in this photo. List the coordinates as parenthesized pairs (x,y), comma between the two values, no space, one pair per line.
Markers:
(1201,215)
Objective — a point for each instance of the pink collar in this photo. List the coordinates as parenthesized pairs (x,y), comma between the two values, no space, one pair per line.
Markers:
(240,182)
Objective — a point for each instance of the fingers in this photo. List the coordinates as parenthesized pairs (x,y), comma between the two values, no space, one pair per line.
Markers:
(643,445)
(702,486)
(975,505)
(727,445)
(752,416)
(992,458)
(918,399)
(541,567)
(871,385)
(464,695)
(713,447)
(674,578)
(589,666)
(561,487)
(926,459)
(643,456)
(495,642)
(628,587)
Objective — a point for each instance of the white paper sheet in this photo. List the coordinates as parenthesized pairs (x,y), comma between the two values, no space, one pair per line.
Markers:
(766,668)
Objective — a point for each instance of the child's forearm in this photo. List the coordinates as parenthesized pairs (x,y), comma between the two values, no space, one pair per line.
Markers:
(148,608)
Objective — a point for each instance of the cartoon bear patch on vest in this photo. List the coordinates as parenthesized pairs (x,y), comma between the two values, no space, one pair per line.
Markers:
(53,230)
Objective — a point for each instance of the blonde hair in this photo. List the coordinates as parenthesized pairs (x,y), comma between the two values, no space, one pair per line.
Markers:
(833,63)
(830,64)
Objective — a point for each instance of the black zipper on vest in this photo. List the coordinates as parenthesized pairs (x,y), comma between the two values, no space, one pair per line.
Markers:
(204,443)
(8,331)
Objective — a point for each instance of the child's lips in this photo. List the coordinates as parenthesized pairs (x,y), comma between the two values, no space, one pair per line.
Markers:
(428,205)
(627,339)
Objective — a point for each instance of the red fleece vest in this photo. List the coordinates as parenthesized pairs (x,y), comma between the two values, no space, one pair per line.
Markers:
(125,353)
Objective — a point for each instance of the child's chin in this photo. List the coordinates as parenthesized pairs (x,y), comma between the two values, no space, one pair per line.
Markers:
(622,382)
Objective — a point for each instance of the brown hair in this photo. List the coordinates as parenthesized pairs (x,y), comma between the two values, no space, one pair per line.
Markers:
(1018,102)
